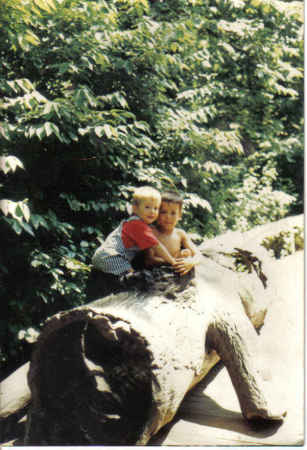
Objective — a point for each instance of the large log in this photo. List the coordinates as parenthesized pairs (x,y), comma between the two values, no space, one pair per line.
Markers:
(116,370)
(15,397)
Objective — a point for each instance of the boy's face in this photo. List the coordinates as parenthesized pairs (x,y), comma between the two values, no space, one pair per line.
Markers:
(169,215)
(147,209)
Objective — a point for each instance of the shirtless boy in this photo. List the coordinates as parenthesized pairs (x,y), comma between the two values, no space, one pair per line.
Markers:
(174,239)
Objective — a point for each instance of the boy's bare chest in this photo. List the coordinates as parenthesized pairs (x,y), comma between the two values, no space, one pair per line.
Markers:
(171,241)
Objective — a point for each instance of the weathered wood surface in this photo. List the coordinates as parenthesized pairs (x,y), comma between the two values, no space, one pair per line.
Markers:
(14,392)
(258,307)
(116,370)
(15,398)
(210,414)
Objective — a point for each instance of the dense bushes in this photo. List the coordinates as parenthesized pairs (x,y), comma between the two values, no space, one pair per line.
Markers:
(97,97)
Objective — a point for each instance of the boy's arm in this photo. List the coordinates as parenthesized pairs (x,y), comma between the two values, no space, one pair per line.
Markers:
(151,259)
(184,265)
(187,242)
(158,254)
(145,238)
(162,252)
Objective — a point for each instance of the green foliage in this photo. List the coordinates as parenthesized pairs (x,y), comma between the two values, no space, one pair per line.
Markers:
(201,96)
(285,243)
(254,201)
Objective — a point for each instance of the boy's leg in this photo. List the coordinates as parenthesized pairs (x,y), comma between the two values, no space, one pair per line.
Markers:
(138,262)
(106,279)
(100,284)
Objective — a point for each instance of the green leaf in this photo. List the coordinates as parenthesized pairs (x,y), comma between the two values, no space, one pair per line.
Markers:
(40,132)
(27,228)
(48,128)
(22,211)
(32,38)
(46,5)
(38,220)
(17,227)
(10,163)
(107,130)
(99,131)
(4,131)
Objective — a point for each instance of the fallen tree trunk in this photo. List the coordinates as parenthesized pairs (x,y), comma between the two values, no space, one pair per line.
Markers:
(116,370)
(14,392)
(15,397)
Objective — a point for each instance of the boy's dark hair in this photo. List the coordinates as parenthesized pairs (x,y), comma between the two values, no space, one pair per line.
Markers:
(172,197)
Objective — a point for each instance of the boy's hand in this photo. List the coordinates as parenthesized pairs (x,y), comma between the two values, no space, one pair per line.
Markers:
(151,259)
(184,265)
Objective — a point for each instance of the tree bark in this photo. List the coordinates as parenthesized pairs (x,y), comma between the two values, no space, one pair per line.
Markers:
(114,371)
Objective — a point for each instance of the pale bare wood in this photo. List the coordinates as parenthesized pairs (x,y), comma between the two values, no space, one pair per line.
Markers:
(14,392)
(249,289)
(116,370)
(15,397)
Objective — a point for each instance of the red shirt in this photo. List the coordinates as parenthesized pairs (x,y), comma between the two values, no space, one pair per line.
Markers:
(136,233)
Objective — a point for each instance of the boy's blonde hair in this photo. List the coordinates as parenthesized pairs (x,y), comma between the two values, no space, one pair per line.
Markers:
(143,193)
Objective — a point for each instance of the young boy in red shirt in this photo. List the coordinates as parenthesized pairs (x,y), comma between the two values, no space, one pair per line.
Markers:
(132,236)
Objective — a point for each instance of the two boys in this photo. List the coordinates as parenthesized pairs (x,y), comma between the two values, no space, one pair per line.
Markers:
(162,244)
